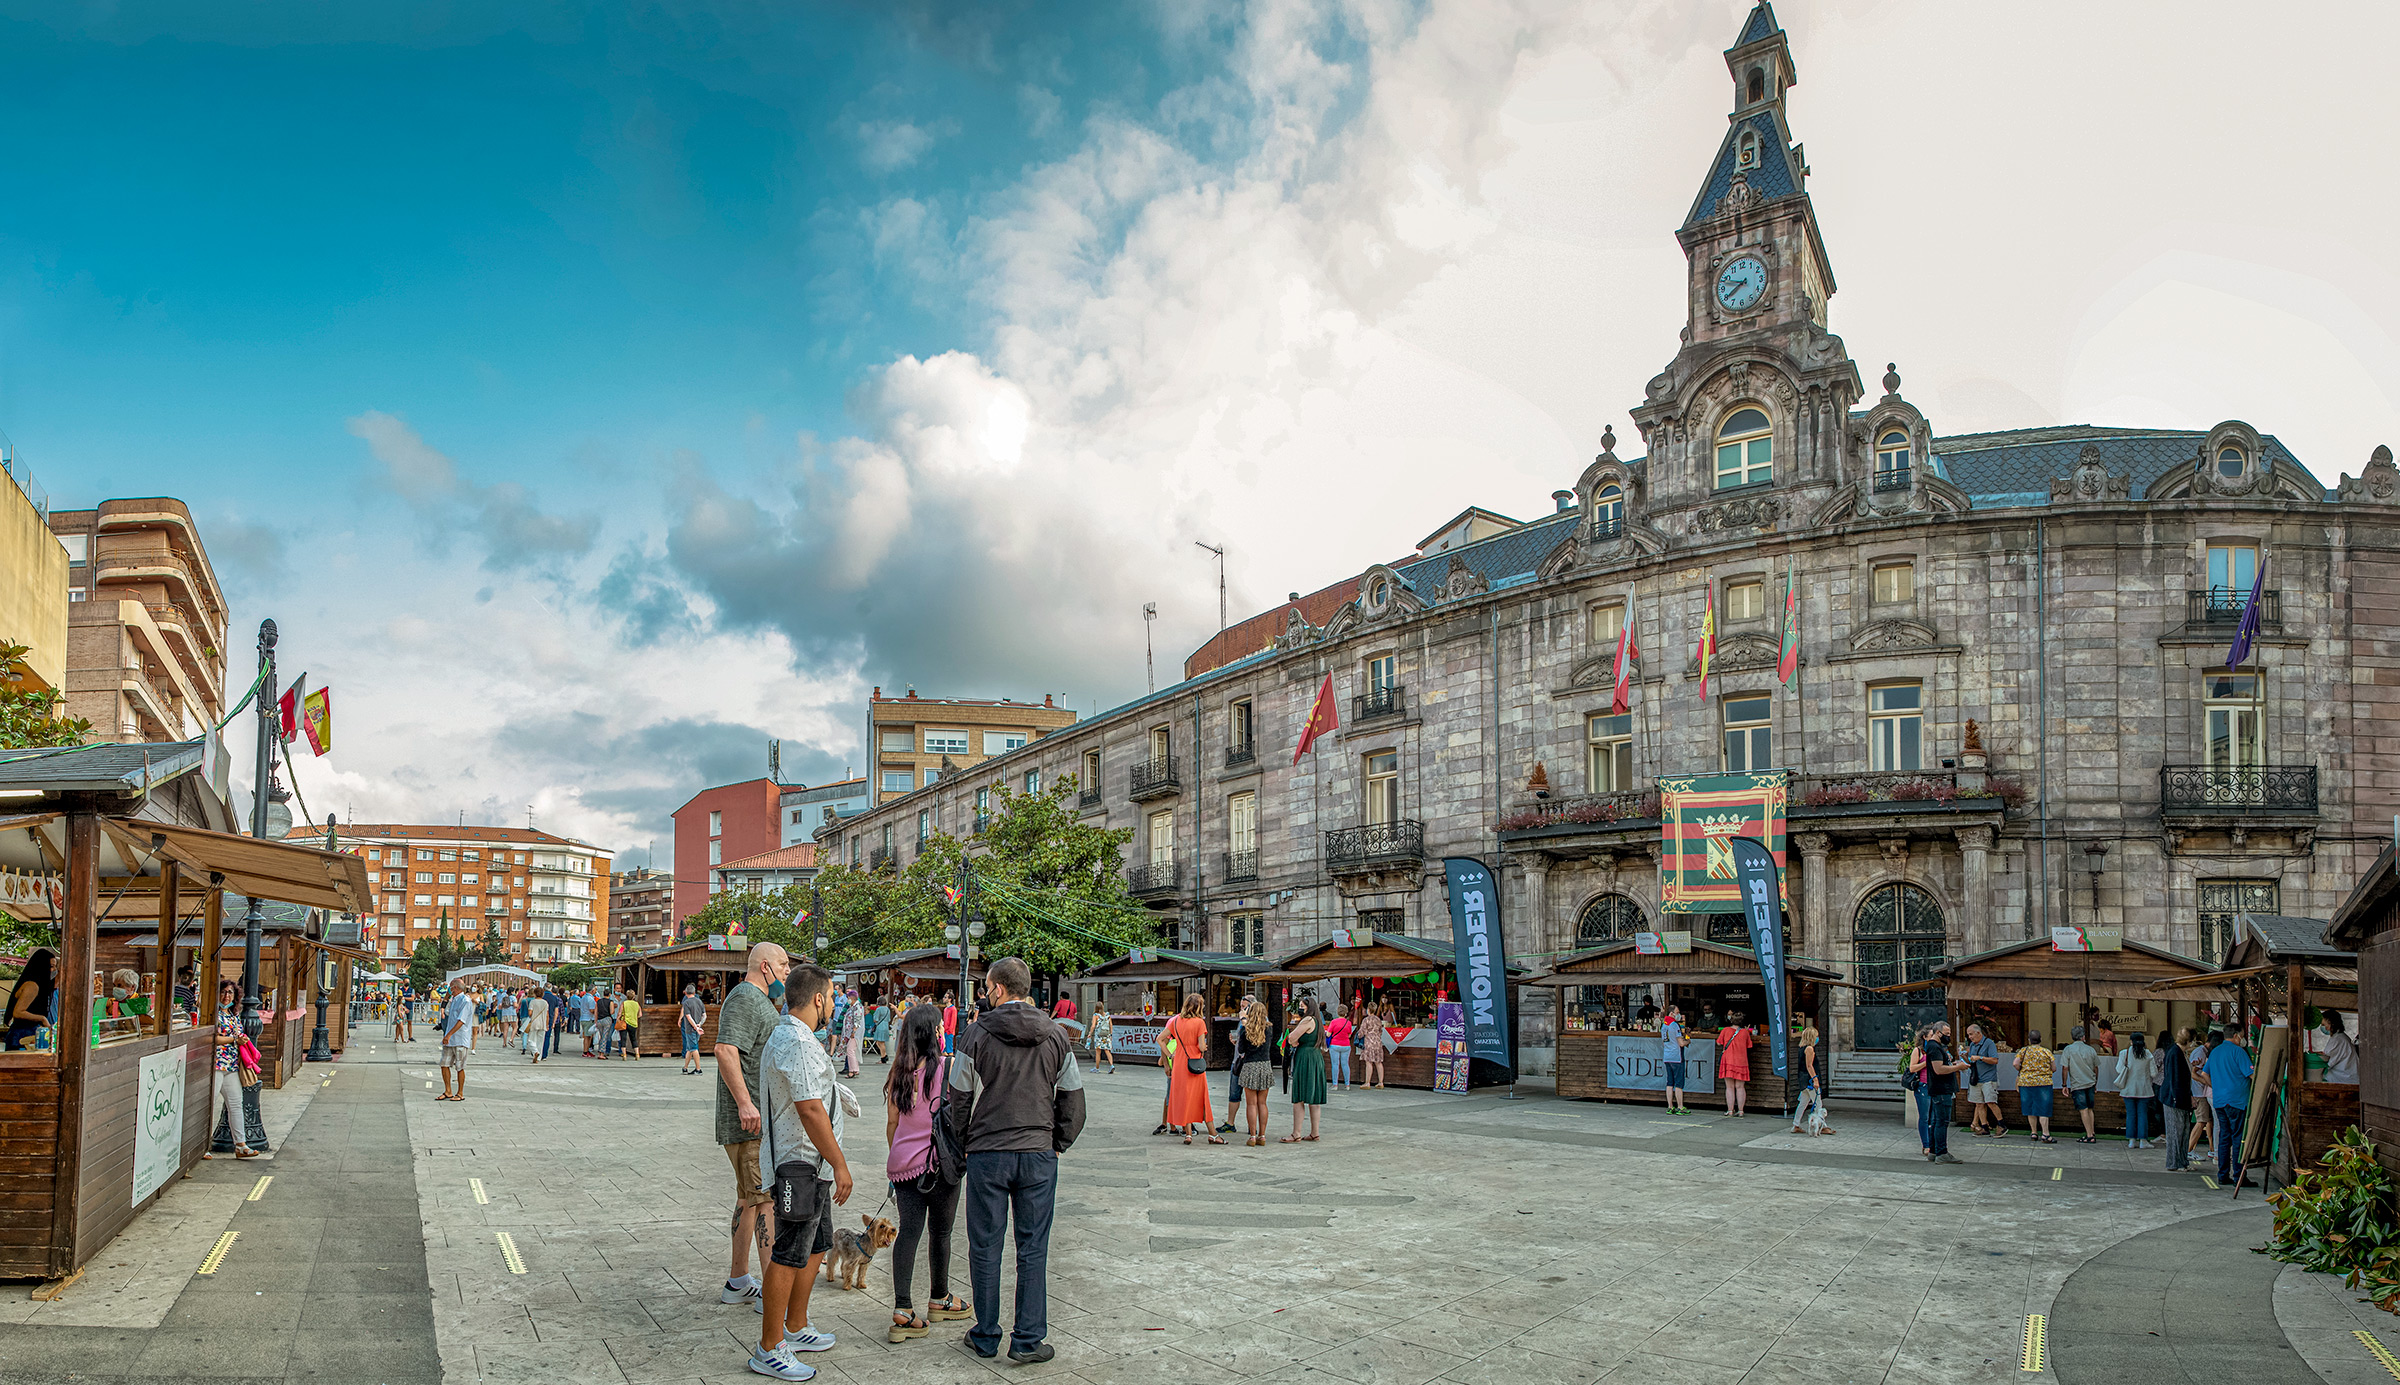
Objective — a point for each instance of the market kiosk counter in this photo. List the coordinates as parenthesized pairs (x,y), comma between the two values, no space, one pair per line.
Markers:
(105,1110)
(2025,986)
(921,976)
(1141,991)
(657,978)
(1410,974)
(1606,1051)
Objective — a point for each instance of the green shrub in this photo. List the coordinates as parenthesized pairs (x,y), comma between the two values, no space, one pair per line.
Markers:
(2338,1220)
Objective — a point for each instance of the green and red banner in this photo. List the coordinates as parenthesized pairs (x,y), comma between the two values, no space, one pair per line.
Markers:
(1699,817)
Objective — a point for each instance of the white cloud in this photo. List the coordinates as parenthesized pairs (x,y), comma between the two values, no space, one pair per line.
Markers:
(887,146)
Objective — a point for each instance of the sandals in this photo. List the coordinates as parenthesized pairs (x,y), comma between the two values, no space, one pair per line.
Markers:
(1308,1139)
(1188,1139)
(1213,1139)
(951,1309)
(907,1326)
(1289,1140)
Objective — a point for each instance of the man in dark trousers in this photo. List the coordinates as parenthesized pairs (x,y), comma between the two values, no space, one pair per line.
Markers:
(1015,1104)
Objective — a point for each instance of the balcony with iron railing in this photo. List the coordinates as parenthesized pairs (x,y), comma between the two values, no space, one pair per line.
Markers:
(1608,527)
(2223,606)
(1390,701)
(2219,791)
(1152,879)
(1087,798)
(1241,865)
(1240,753)
(1893,478)
(880,858)
(1154,779)
(1376,847)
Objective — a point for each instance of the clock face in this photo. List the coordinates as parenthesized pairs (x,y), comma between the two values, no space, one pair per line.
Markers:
(1741,282)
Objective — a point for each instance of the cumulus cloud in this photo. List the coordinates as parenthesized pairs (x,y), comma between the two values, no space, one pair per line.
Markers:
(515,530)
(887,146)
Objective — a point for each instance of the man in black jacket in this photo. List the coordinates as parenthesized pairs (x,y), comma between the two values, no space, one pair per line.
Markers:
(1015,1104)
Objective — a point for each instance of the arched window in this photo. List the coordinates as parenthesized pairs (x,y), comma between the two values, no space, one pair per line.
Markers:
(1900,937)
(2229,461)
(1608,511)
(1745,450)
(1758,84)
(1891,452)
(1607,919)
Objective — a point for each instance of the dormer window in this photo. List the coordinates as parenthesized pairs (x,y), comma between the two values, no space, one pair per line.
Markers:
(1746,150)
(2230,462)
(1608,511)
(1745,450)
(1891,451)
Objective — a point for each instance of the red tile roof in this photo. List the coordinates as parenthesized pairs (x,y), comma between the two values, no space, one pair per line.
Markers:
(797,857)
(1244,638)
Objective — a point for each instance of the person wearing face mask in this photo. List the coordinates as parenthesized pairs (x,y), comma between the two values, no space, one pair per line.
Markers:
(225,1082)
(749,1014)
(803,1129)
(2341,1055)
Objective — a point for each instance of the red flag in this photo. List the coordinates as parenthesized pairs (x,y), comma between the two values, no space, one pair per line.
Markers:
(1708,637)
(1321,719)
(1789,662)
(287,710)
(1626,654)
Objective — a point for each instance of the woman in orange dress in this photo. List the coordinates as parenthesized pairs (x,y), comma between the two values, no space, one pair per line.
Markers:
(1189,1106)
(1733,1063)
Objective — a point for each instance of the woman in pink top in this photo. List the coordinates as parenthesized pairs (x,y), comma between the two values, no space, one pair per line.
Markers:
(1337,1043)
(911,1099)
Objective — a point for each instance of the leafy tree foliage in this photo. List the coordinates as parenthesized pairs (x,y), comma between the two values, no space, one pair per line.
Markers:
(494,947)
(28,718)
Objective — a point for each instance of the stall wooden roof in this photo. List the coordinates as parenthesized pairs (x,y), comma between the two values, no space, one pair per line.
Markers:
(2032,972)
(1622,963)
(692,956)
(282,870)
(2334,988)
(1172,964)
(2261,938)
(2370,906)
(1389,955)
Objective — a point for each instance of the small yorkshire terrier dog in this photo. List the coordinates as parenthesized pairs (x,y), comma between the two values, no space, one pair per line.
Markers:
(853,1251)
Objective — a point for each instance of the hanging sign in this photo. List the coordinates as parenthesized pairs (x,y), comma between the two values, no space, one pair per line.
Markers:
(1353,937)
(2087,940)
(1699,817)
(1660,944)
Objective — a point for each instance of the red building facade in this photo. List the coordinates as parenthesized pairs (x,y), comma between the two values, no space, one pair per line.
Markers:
(719,825)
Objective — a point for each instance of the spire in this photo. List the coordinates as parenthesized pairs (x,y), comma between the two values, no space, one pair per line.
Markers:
(1757,162)
(1760,24)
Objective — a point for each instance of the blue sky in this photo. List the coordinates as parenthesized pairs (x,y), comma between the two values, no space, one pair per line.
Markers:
(592,393)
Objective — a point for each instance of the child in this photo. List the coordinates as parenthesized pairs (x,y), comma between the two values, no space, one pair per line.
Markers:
(1103,1035)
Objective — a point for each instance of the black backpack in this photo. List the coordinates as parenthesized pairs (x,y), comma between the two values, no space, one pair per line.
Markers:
(946,1161)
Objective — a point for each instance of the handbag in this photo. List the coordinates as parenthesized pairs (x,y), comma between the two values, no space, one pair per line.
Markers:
(249,1064)
(1197,1061)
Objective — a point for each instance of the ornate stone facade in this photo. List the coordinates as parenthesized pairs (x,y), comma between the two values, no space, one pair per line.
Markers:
(2013,647)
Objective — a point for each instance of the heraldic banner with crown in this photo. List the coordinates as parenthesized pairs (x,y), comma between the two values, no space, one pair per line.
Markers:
(1699,816)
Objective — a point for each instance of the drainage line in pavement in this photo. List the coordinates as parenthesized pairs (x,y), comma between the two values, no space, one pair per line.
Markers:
(508,1253)
(216,1256)
(2037,1332)
(2381,1352)
(260,1191)
(475,1185)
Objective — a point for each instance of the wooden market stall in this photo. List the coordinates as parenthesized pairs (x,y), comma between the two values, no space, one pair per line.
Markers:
(920,975)
(1143,990)
(1410,974)
(2030,985)
(714,965)
(100,1111)
(2369,921)
(2280,964)
(1606,1050)
(288,969)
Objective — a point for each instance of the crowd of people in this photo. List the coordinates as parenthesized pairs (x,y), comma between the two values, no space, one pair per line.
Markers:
(2180,1093)
(539,1021)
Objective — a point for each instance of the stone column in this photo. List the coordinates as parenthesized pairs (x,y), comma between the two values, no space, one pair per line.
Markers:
(1537,899)
(1812,939)
(1975,849)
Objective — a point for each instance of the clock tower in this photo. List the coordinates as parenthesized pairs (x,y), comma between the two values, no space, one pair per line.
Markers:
(1749,419)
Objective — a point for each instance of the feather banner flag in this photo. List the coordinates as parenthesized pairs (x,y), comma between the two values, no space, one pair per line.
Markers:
(316,717)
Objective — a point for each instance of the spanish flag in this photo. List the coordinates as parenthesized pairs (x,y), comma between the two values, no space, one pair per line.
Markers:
(1708,637)
(1321,719)
(316,717)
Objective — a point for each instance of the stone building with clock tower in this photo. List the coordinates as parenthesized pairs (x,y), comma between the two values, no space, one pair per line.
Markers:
(2014,706)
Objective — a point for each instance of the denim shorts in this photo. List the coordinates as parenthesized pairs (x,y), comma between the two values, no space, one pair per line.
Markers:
(2036,1101)
(2083,1097)
(1675,1075)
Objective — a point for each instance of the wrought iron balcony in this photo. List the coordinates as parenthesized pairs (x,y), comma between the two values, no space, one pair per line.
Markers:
(1241,753)
(1379,702)
(1377,846)
(1154,779)
(1152,879)
(982,822)
(2234,789)
(2223,606)
(1608,527)
(1241,865)
(880,858)
(1088,798)
(1893,478)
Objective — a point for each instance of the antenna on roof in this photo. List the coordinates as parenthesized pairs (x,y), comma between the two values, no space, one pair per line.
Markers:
(1149,658)
(775,761)
(1219,550)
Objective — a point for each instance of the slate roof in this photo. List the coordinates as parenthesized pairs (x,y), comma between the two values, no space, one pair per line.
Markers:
(2016,468)
(2288,937)
(101,768)
(1762,23)
(1773,178)
(1502,560)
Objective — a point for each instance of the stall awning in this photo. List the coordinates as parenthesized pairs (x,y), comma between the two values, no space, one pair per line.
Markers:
(1385,955)
(2333,987)
(2033,972)
(1170,964)
(282,870)
(1622,963)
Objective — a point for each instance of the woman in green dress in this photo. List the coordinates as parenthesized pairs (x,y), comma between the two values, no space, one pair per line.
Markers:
(1306,1043)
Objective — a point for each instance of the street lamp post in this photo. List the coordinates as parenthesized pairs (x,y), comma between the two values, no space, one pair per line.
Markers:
(320,1043)
(253,915)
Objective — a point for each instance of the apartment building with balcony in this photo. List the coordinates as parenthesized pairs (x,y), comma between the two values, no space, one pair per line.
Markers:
(807,808)
(147,622)
(548,894)
(917,740)
(641,909)
(2016,703)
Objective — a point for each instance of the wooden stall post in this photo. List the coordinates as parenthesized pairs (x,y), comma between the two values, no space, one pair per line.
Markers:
(163,987)
(77,938)
(212,938)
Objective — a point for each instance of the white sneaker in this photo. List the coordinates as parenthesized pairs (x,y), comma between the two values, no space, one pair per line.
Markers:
(744,1290)
(808,1339)
(780,1364)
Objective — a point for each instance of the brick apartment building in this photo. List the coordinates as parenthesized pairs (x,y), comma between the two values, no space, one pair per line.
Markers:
(920,739)
(147,625)
(725,823)
(641,909)
(549,894)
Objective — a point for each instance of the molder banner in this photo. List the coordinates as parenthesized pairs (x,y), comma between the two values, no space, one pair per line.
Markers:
(1760,881)
(1699,818)
(1482,957)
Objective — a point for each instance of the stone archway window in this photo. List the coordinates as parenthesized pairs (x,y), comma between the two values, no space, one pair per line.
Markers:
(1746,152)
(1900,937)
(1745,449)
(1608,511)
(1607,919)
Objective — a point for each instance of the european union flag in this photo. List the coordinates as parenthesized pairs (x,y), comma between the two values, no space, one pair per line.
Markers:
(2246,633)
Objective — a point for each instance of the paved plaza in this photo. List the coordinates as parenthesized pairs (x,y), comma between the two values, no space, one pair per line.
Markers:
(1426,1238)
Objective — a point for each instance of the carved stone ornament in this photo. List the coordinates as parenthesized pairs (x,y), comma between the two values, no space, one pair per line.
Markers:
(1972,744)
(1297,631)
(1813,843)
(1600,671)
(1462,581)
(1893,636)
(1749,512)
(1737,195)
(1895,852)
(2378,484)
(1738,654)
(2091,480)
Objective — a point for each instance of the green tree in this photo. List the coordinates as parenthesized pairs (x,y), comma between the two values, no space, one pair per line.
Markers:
(425,965)
(494,947)
(29,719)
(573,976)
